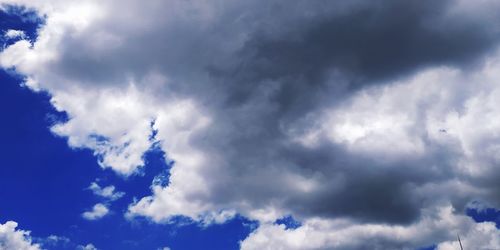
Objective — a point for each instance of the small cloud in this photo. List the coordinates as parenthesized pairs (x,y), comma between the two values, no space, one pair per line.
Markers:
(55,240)
(106,192)
(86,247)
(11,34)
(164,248)
(98,211)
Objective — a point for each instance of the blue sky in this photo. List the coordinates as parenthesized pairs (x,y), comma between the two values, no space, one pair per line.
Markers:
(248,126)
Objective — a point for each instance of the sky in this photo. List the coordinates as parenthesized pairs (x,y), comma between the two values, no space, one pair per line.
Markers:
(264,124)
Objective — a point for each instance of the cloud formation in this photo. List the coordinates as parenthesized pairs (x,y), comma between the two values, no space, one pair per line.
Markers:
(359,118)
(12,238)
(341,234)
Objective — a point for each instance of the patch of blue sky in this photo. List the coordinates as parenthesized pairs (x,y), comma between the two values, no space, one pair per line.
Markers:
(289,222)
(18,18)
(485,214)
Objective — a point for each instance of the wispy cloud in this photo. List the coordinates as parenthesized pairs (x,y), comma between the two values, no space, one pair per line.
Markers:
(108,192)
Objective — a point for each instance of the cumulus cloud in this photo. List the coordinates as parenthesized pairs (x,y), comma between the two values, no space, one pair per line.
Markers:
(12,238)
(98,211)
(359,118)
(342,234)
(107,192)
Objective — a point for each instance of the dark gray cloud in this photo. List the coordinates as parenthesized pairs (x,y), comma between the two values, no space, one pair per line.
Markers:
(366,43)
(372,41)
(300,43)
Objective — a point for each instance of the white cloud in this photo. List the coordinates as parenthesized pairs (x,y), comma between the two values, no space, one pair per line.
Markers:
(481,236)
(57,238)
(106,192)
(54,239)
(14,34)
(12,238)
(98,211)
(344,234)
(118,131)
(86,247)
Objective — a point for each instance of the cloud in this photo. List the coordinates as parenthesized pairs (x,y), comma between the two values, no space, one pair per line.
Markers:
(98,211)
(364,118)
(11,34)
(106,192)
(12,238)
(54,242)
(342,234)
(86,247)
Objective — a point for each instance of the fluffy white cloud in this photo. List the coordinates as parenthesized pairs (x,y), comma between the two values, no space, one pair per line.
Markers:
(344,234)
(266,113)
(98,211)
(12,238)
(482,236)
(107,192)
(14,34)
